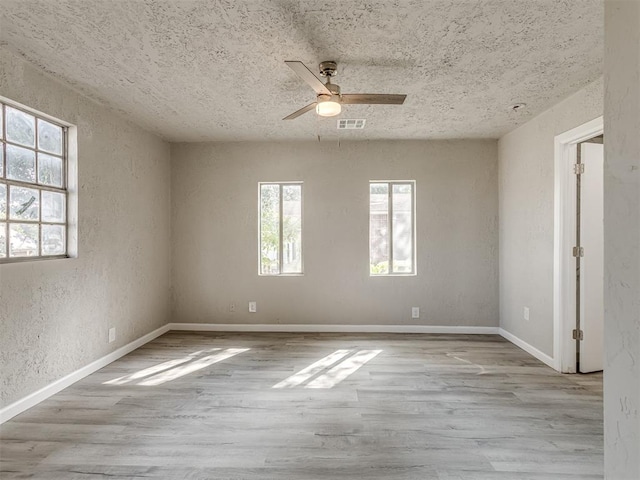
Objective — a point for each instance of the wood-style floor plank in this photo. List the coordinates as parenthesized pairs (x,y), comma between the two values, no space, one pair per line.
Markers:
(438,407)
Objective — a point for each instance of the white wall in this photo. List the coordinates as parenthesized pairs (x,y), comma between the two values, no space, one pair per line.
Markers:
(526,199)
(55,314)
(215,232)
(622,240)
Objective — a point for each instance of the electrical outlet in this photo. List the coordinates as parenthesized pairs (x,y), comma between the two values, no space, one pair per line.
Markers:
(232,307)
(526,313)
(112,334)
(253,307)
(415,312)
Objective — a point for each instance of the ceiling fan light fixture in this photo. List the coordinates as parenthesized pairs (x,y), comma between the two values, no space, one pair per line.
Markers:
(327,106)
(329,99)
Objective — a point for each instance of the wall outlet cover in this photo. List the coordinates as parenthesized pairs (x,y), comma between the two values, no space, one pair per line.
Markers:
(415,312)
(526,313)
(253,307)
(112,334)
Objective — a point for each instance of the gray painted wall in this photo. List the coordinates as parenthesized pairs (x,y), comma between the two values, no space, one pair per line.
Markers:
(622,240)
(526,185)
(215,232)
(55,314)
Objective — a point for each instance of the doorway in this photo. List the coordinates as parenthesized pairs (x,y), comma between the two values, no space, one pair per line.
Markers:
(578,249)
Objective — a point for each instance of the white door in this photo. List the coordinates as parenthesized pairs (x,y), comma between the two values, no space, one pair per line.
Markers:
(592,264)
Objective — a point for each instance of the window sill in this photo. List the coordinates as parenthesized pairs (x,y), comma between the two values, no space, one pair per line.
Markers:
(7,261)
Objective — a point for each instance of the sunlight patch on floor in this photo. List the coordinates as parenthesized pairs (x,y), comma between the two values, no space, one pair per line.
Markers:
(335,366)
(313,369)
(343,369)
(167,371)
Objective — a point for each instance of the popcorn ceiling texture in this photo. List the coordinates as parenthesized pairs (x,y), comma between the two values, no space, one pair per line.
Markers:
(55,314)
(213,70)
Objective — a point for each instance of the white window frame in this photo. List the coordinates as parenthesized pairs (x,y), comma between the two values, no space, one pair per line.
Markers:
(391,273)
(68,188)
(280,228)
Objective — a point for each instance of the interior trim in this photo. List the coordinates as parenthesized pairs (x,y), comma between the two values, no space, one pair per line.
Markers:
(564,268)
(47,391)
(331,328)
(530,349)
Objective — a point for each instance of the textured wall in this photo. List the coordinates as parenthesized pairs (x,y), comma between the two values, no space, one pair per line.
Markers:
(526,182)
(622,240)
(55,314)
(215,231)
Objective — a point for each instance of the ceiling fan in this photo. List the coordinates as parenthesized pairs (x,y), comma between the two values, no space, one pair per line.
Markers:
(329,100)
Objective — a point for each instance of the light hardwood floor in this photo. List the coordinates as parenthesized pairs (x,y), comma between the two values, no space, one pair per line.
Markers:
(425,407)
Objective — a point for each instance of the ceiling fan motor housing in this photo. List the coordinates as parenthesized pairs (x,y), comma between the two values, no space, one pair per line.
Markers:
(328,68)
(328,98)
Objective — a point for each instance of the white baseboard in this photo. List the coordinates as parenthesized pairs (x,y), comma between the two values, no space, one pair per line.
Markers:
(543,357)
(235,327)
(38,396)
(34,398)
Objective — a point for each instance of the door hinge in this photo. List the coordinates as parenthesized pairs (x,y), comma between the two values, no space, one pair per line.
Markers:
(578,334)
(578,168)
(578,252)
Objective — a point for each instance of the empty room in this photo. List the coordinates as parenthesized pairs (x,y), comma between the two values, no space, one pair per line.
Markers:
(281,239)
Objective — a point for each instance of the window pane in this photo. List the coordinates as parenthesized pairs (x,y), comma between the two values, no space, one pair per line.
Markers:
(292,229)
(32,160)
(53,207)
(378,228)
(49,137)
(23,240)
(21,127)
(3,201)
(23,204)
(402,228)
(269,229)
(53,241)
(49,170)
(3,240)
(21,164)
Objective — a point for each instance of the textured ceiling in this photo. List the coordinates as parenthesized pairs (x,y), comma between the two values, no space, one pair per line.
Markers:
(195,70)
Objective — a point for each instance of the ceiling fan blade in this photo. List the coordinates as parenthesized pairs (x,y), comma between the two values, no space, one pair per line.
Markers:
(297,113)
(372,98)
(307,75)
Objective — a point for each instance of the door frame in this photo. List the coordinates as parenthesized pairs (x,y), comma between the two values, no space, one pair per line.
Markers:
(564,272)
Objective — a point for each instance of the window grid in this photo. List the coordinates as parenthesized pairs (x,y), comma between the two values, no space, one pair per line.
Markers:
(375,270)
(265,270)
(38,184)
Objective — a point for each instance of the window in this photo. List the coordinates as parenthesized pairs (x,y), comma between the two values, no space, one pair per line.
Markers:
(33,186)
(280,228)
(391,228)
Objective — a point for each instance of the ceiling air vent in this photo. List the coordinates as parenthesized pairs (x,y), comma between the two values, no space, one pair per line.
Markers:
(351,123)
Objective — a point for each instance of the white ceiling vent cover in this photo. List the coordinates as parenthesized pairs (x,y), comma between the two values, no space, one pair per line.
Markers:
(351,123)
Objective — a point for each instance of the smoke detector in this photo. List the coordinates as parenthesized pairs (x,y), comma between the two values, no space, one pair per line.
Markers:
(351,123)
